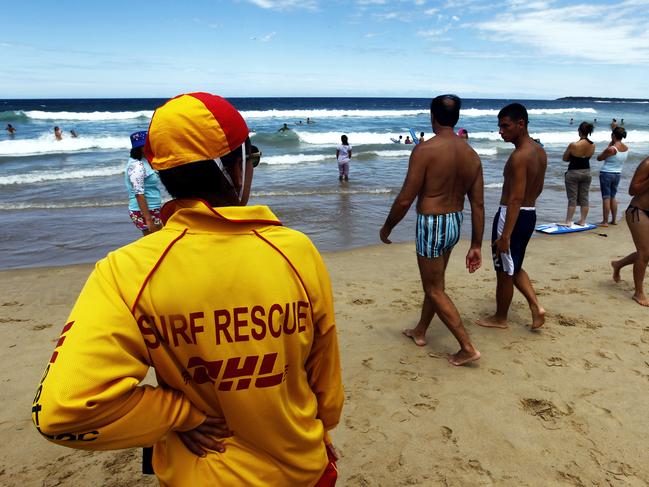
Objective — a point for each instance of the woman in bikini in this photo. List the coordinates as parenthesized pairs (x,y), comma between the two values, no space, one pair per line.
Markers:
(637,218)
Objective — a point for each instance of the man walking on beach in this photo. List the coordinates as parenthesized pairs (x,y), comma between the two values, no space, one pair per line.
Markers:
(234,312)
(514,222)
(441,172)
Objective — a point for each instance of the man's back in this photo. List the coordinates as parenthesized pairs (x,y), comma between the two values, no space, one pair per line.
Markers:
(452,167)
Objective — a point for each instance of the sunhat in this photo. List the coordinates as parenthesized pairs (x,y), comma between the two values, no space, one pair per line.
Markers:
(138,139)
(193,127)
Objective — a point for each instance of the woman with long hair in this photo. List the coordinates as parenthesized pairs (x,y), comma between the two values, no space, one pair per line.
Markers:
(614,157)
(578,176)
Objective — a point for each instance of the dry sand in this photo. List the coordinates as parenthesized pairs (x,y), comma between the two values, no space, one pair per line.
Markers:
(563,406)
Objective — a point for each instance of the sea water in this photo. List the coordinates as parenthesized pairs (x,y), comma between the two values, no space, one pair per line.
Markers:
(65,202)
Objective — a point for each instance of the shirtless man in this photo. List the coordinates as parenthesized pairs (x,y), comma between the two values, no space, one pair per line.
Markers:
(637,218)
(514,222)
(441,172)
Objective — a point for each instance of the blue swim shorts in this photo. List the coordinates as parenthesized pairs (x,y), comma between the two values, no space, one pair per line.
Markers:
(608,182)
(511,262)
(437,234)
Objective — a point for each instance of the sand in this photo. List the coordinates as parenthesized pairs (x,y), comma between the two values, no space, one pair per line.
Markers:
(566,405)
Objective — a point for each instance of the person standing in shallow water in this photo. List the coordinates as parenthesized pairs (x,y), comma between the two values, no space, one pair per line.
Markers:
(343,156)
(637,218)
(514,222)
(142,185)
(441,172)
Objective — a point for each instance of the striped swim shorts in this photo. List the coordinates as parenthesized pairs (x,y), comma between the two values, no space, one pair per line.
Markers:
(437,234)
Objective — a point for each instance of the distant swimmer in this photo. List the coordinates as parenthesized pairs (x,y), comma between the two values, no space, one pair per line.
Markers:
(408,141)
(421,137)
(622,123)
(308,120)
(11,129)
(284,128)
(396,141)
(463,134)
(441,173)
(57,133)
(571,121)
(299,123)
(613,124)
(73,134)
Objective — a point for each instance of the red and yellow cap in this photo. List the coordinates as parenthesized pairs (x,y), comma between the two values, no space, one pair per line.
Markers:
(193,127)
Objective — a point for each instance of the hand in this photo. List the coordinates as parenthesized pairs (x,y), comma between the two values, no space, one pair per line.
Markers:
(384,234)
(501,245)
(473,259)
(331,450)
(203,436)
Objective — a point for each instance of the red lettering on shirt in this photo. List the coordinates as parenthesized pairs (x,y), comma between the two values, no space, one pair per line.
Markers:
(147,331)
(233,371)
(275,308)
(193,327)
(301,315)
(258,310)
(221,323)
(239,323)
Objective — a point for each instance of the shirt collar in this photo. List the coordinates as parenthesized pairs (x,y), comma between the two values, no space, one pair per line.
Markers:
(184,213)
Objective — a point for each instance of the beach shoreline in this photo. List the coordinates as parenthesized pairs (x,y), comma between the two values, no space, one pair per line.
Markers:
(555,407)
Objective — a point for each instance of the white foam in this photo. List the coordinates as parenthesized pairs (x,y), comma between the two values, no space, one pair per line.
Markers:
(321,192)
(292,116)
(87,116)
(47,144)
(478,112)
(485,152)
(48,205)
(494,185)
(355,138)
(296,158)
(60,175)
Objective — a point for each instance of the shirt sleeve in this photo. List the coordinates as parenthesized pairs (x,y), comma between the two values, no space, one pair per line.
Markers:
(323,364)
(90,395)
(136,176)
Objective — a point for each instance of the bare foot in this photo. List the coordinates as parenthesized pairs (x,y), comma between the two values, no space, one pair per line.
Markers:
(581,224)
(419,340)
(491,322)
(613,222)
(641,299)
(602,224)
(538,318)
(616,271)
(463,357)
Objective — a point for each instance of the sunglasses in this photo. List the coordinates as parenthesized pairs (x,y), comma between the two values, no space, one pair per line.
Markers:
(255,156)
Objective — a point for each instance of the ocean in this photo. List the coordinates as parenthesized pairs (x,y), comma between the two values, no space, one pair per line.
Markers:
(64,202)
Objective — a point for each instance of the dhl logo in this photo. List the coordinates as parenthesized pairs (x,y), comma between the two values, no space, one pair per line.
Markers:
(239,370)
(60,342)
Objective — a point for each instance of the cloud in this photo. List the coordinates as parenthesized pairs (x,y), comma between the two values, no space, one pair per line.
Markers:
(610,34)
(285,4)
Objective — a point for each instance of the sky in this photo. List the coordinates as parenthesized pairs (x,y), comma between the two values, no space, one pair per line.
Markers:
(398,48)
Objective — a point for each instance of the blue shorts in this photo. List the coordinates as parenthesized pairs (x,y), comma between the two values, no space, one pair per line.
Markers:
(608,182)
(437,234)
(511,262)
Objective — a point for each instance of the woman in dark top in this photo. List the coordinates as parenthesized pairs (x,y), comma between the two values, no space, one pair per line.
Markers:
(578,176)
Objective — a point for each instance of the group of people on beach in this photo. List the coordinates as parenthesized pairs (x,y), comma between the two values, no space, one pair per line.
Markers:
(235,311)
(578,177)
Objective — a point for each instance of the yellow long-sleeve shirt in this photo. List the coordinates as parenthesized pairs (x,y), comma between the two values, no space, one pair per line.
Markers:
(235,312)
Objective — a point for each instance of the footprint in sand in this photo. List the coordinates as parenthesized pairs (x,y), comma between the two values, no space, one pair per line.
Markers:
(12,303)
(496,372)
(563,320)
(555,362)
(361,301)
(41,327)
(544,410)
(12,320)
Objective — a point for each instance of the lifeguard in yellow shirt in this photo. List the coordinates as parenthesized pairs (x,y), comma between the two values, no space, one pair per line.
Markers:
(232,309)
